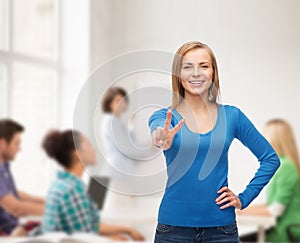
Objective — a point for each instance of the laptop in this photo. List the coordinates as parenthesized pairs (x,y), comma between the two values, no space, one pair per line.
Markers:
(97,189)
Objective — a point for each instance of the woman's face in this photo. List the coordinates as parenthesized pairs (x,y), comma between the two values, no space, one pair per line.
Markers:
(196,72)
(118,105)
(87,153)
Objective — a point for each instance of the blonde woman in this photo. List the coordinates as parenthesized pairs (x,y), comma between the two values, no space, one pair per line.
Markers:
(195,134)
(283,194)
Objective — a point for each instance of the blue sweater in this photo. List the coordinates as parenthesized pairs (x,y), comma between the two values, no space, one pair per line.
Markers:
(197,167)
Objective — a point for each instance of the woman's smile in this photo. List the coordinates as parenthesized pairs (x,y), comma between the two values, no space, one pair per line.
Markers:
(196,83)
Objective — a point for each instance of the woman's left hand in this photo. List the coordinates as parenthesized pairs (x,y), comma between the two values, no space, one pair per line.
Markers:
(229,198)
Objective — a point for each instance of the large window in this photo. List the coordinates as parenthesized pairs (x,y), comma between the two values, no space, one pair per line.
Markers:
(33,27)
(2,92)
(28,81)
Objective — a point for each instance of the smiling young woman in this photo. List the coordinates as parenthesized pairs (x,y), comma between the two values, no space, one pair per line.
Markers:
(195,134)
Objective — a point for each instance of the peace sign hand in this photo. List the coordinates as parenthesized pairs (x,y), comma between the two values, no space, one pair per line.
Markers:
(163,137)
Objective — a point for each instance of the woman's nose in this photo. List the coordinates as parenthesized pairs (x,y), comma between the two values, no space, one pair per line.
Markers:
(196,72)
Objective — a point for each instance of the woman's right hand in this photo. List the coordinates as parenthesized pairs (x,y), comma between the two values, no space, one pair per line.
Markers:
(163,137)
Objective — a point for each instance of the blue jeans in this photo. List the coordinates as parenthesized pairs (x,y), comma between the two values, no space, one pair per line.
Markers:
(167,233)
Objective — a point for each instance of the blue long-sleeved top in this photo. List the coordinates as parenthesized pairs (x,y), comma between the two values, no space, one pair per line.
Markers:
(197,167)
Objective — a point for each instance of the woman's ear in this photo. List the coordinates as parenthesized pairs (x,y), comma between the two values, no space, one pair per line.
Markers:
(75,155)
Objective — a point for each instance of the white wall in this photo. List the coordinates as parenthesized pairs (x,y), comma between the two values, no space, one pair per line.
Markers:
(255,42)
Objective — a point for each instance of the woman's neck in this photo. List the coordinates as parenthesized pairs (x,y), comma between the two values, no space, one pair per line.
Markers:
(116,113)
(196,102)
(77,169)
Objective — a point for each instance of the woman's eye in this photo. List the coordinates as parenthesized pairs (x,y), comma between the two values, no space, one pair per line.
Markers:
(186,67)
(204,66)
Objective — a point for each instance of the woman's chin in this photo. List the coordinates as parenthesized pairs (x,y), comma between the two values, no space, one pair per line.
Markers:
(197,91)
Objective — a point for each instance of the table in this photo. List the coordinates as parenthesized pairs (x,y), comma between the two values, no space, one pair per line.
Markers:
(148,216)
(261,223)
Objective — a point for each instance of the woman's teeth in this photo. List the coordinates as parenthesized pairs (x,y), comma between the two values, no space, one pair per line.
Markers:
(196,82)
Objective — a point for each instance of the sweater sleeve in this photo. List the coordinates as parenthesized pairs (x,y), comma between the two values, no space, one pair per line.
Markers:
(260,147)
(286,181)
(158,119)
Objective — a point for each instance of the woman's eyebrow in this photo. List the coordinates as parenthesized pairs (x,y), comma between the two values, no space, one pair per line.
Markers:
(190,63)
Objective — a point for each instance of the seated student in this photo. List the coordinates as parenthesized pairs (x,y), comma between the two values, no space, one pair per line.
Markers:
(13,203)
(68,207)
(283,194)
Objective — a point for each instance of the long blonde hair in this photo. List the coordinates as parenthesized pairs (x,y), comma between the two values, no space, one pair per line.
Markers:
(178,90)
(282,139)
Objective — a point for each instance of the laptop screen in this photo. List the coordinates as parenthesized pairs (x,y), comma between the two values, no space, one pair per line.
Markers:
(97,189)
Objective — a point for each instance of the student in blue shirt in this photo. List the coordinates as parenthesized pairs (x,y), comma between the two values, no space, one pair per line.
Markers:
(68,207)
(14,203)
(195,134)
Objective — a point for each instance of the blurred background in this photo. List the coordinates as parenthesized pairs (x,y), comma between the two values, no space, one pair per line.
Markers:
(48,48)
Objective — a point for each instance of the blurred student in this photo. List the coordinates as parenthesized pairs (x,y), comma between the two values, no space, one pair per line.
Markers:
(283,194)
(13,202)
(68,207)
(116,135)
(123,151)
(114,104)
